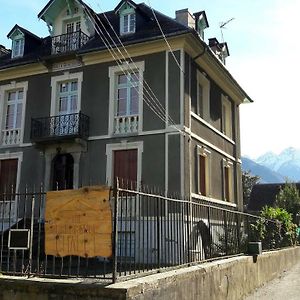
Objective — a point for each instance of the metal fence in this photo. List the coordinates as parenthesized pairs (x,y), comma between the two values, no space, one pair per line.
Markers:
(150,232)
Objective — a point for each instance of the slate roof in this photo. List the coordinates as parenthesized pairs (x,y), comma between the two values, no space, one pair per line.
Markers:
(147,30)
(264,194)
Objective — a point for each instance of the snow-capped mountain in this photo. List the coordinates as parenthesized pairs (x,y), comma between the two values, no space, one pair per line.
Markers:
(287,163)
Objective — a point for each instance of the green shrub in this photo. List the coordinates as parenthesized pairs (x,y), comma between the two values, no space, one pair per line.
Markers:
(275,228)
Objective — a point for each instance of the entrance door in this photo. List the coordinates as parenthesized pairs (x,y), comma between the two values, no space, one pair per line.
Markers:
(63,172)
(125,167)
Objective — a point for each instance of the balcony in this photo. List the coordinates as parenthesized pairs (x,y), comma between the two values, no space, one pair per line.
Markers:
(126,124)
(68,42)
(11,137)
(61,127)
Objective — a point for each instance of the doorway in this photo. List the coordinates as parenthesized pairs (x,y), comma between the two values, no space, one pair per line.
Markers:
(62,172)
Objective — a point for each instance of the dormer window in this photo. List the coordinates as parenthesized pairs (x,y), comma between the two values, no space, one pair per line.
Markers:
(127,19)
(201,23)
(18,47)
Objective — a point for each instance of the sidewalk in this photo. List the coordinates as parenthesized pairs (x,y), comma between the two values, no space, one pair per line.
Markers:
(286,287)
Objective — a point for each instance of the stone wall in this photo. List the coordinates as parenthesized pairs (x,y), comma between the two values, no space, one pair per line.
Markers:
(231,279)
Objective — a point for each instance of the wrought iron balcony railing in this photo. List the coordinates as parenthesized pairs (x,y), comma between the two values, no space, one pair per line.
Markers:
(68,42)
(60,127)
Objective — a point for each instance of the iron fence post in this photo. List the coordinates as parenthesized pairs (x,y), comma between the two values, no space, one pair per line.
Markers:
(31,233)
(226,232)
(115,237)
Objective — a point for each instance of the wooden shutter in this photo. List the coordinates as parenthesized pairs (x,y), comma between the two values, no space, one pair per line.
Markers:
(8,175)
(227,183)
(202,175)
(125,165)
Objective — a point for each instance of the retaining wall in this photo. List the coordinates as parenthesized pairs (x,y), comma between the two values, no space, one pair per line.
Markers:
(231,279)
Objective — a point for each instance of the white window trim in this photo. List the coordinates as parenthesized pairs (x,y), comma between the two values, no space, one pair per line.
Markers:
(228,106)
(203,151)
(4,89)
(113,72)
(110,148)
(19,37)
(19,157)
(55,80)
(127,12)
(205,83)
(229,165)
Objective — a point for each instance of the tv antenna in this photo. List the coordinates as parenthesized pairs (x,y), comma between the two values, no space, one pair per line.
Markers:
(222,26)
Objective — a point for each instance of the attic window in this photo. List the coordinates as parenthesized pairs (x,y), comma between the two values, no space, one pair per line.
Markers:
(127,20)
(18,47)
(68,13)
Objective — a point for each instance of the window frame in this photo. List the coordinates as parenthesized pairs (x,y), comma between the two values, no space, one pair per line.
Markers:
(206,154)
(20,52)
(228,166)
(204,111)
(114,71)
(227,117)
(110,148)
(4,90)
(55,83)
(130,13)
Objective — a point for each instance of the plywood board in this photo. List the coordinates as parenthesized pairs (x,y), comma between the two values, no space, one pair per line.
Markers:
(79,222)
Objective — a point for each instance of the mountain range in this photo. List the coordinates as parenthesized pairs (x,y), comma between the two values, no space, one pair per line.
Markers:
(275,168)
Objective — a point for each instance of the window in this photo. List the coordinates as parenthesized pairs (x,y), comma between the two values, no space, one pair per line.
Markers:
(127,19)
(18,47)
(67,97)
(203,160)
(228,180)
(126,98)
(203,96)
(66,94)
(226,117)
(12,110)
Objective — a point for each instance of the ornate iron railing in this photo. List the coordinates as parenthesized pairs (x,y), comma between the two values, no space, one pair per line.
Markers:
(68,42)
(63,126)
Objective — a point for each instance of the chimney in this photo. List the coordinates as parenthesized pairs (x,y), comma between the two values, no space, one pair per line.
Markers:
(185,18)
(3,50)
(220,49)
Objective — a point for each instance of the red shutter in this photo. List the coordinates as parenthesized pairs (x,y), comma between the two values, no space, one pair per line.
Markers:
(8,175)
(227,183)
(202,175)
(125,165)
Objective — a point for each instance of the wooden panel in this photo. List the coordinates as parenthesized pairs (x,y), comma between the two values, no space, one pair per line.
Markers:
(79,222)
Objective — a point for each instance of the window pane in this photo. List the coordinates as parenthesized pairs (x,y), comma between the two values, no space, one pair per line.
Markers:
(122,79)
(121,107)
(78,26)
(134,101)
(63,87)
(20,95)
(126,19)
(74,86)
(73,104)
(10,116)
(63,104)
(132,22)
(11,96)
(135,77)
(19,115)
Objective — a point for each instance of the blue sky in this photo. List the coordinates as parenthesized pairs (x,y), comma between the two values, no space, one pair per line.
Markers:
(263,43)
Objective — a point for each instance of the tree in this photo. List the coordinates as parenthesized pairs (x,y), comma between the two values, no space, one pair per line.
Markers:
(289,199)
(248,181)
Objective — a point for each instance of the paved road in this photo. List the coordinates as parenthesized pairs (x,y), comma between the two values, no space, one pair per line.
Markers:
(285,287)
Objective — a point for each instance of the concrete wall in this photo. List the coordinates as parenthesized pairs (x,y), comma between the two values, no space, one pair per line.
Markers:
(231,279)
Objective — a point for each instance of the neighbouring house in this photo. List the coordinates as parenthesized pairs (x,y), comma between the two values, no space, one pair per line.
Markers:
(265,195)
(128,93)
